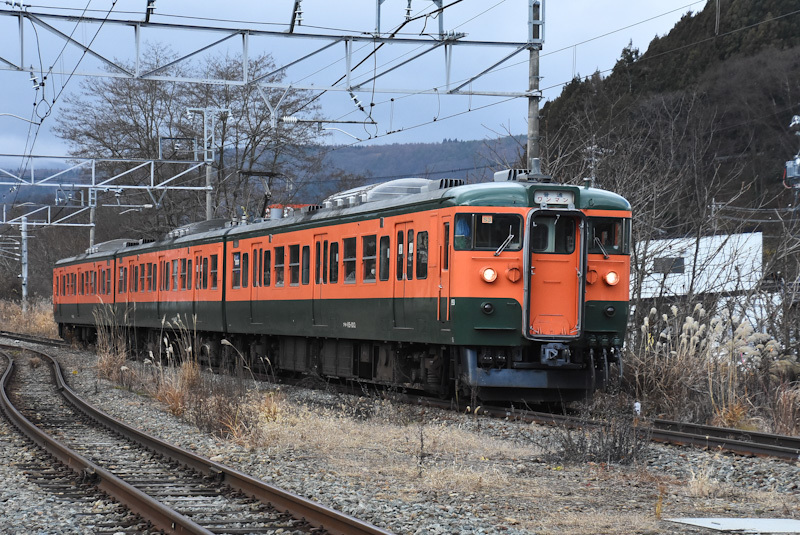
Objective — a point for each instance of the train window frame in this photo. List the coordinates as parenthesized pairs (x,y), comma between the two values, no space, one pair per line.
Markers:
(369,252)
(189,274)
(422,255)
(256,267)
(333,264)
(214,271)
(142,278)
(149,277)
(349,247)
(305,266)
(385,263)
(280,266)
(294,265)
(446,251)
(617,244)
(134,278)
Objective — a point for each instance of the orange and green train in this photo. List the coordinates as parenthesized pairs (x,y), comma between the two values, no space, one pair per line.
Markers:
(511,290)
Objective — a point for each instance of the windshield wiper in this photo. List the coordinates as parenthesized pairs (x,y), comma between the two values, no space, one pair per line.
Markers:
(505,243)
(600,244)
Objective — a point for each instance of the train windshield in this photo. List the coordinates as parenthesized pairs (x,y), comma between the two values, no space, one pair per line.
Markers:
(609,236)
(488,232)
(553,234)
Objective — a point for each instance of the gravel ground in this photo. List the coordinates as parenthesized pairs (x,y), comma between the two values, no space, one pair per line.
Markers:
(422,471)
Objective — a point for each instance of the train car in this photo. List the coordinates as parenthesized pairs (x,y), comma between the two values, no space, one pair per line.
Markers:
(511,290)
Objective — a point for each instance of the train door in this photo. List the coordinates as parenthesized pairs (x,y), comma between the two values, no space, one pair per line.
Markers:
(555,281)
(163,284)
(443,313)
(404,272)
(256,258)
(320,279)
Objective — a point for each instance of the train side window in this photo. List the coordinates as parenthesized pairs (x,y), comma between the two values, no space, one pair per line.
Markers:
(349,259)
(400,260)
(189,274)
(463,233)
(422,255)
(149,277)
(213,271)
(368,255)
(609,236)
(267,267)
(141,277)
(385,253)
(80,283)
(204,284)
(294,265)
(183,273)
(119,282)
(134,278)
(410,256)
(174,275)
(245,268)
(334,262)
(279,264)
(236,270)
(306,268)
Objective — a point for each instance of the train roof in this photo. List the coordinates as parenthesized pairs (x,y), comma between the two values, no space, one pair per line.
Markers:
(388,198)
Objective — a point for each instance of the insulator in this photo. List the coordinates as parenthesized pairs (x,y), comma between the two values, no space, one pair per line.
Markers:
(289,119)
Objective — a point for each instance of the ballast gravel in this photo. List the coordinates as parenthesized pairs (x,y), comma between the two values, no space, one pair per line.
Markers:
(424,471)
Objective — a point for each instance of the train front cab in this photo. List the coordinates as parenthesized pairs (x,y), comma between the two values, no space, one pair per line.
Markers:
(573,310)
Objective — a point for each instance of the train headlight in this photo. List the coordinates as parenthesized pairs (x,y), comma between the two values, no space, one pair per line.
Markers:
(489,274)
(611,278)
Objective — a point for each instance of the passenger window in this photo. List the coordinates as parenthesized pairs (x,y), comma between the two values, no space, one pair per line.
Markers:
(279,255)
(213,270)
(174,275)
(267,266)
(349,260)
(325,262)
(294,265)
(183,273)
(334,264)
(422,255)
(305,273)
(368,257)
(245,268)
(493,231)
(385,252)
(236,270)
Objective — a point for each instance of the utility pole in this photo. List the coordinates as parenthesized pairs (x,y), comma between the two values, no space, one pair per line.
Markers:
(209,121)
(535,42)
(24,232)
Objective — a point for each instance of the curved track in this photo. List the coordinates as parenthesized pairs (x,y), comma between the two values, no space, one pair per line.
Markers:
(176,490)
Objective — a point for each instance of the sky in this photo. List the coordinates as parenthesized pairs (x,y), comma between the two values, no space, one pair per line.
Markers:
(581,36)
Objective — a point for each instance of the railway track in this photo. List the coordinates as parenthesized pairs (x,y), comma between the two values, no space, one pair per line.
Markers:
(665,431)
(174,490)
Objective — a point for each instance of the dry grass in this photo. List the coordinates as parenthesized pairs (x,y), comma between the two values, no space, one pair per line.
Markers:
(688,364)
(38,320)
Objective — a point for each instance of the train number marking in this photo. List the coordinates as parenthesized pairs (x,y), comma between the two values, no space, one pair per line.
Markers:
(349,324)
